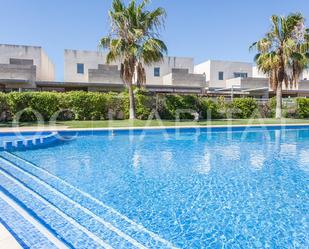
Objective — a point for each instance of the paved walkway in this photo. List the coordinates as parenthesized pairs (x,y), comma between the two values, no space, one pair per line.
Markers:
(32,128)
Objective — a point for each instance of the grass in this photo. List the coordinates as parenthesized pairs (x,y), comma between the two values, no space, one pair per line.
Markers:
(155,123)
(143,123)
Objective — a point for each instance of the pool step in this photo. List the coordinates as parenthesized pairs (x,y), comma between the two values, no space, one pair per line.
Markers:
(129,227)
(22,226)
(30,143)
(57,222)
(97,227)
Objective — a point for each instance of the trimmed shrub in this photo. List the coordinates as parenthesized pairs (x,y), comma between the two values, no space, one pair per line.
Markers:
(224,108)
(244,107)
(20,106)
(302,108)
(290,113)
(145,103)
(45,103)
(177,106)
(87,105)
(268,109)
(208,109)
(4,108)
(97,106)
(117,105)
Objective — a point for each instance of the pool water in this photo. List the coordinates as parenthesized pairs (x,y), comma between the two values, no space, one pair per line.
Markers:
(206,189)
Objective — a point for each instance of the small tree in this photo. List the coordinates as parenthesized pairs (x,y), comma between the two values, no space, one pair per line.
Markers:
(133,40)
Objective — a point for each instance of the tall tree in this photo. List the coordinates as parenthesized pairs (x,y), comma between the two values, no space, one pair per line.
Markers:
(134,41)
(277,49)
(299,60)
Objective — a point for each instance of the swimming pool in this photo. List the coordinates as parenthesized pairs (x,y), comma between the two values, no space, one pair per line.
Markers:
(187,188)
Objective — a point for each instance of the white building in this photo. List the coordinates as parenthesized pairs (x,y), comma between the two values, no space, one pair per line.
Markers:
(228,77)
(30,67)
(218,72)
(26,63)
(89,66)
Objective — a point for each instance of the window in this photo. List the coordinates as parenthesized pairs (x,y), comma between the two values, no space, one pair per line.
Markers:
(221,75)
(80,68)
(240,75)
(156,72)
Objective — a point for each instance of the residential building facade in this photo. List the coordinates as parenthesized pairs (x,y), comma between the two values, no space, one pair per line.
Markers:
(22,66)
(218,72)
(89,66)
(29,67)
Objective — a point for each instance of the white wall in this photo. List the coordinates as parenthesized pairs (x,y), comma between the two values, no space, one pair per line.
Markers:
(247,83)
(182,77)
(47,72)
(256,73)
(213,67)
(92,59)
(44,67)
(236,82)
(20,52)
(166,67)
(203,68)
(168,79)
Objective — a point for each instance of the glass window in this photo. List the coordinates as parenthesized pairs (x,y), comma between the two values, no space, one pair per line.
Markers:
(240,75)
(156,72)
(80,68)
(221,75)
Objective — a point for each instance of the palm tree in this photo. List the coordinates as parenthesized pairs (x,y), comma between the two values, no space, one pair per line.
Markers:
(134,41)
(300,60)
(276,51)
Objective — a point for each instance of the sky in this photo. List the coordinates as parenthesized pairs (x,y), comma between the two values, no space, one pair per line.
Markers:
(203,29)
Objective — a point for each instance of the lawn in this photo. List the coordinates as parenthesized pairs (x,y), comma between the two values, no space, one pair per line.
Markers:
(145,123)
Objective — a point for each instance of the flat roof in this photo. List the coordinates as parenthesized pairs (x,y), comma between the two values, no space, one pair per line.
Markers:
(23,46)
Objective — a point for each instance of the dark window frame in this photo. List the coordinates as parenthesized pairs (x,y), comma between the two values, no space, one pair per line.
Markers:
(240,75)
(221,75)
(157,72)
(80,68)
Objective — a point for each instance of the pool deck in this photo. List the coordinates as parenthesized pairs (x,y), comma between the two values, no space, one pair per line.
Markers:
(65,128)
(7,240)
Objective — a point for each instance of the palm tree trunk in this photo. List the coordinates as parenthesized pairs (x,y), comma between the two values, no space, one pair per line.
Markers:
(279,101)
(132,102)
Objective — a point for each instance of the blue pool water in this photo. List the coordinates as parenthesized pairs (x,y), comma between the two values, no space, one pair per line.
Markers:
(219,189)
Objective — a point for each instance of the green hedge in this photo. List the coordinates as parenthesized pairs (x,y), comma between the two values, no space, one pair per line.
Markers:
(244,108)
(302,108)
(32,106)
(86,105)
(209,109)
(4,108)
(101,106)
(178,106)
(145,104)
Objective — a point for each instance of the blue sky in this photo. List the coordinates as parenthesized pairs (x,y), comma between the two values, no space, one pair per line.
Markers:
(203,29)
